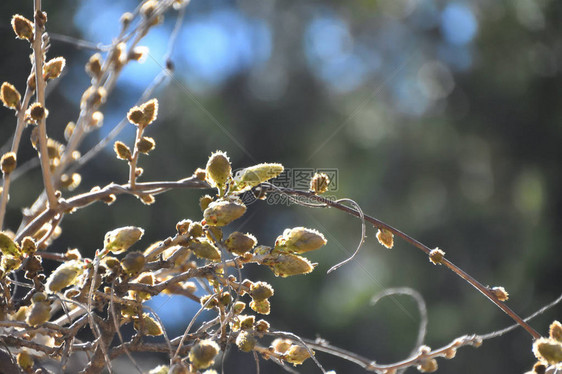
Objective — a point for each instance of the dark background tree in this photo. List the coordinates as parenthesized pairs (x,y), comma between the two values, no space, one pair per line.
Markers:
(441,118)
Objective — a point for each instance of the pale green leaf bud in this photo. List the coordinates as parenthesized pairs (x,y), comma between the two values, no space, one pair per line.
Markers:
(65,275)
(8,246)
(250,177)
(203,353)
(245,341)
(300,240)
(239,243)
(296,355)
(133,263)
(205,249)
(218,170)
(38,313)
(222,212)
(119,240)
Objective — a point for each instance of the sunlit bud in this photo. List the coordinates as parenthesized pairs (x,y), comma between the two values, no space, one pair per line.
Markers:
(178,4)
(8,246)
(148,326)
(247,322)
(262,250)
(28,245)
(10,96)
(203,353)
(96,121)
(145,144)
(548,350)
(39,297)
(118,56)
(250,177)
(200,174)
(239,243)
(555,331)
(138,172)
(25,361)
(286,265)
(120,239)
(36,112)
(65,275)
(109,199)
(204,300)
(238,307)
(182,226)
(427,365)
(262,326)
(386,238)
(261,291)
(281,345)
(69,130)
(144,114)
(20,314)
(195,229)
(500,293)
(53,68)
(93,66)
(204,249)
(225,299)
(218,170)
(222,212)
(111,262)
(31,82)
(70,182)
(296,354)
(126,19)
(38,313)
(144,278)
(8,162)
(133,263)
(261,306)
(245,341)
(319,183)
(204,202)
(148,8)
(41,18)
(139,54)
(93,97)
(436,256)
(300,240)
(22,27)
(450,353)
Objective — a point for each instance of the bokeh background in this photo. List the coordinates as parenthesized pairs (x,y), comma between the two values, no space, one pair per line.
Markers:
(442,118)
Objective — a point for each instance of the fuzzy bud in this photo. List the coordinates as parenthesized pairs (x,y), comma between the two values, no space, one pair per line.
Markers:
(119,240)
(245,341)
(281,345)
(133,263)
(319,183)
(53,68)
(93,66)
(195,229)
(93,97)
(285,265)
(182,226)
(23,27)
(239,243)
(25,361)
(238,307)
(500,293)
(123,152)
(247,322)
(70,182)
(222,212)
(218,170)
(200,174)
(385,238)
(145,144)
(148,8)
(36,112)
(250,177)
(262,326)
(299,240)
(8,162)
(436,256)
(65,275)
(296,354)
(144,114)
(261,306)
(38,313)
(28,245)
(205,249)
(147,199)
(427,365)
(204,202)
(8,246)
(96,121)
(10,96)
(203,353)
(148,326)
(8,264)
(261,291)
(138,54)
(555,331)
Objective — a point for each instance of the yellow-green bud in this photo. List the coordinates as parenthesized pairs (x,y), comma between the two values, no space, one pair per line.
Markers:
(28,245)
(261,291)
(39,297)
(261,306)
(146,144)
(205,249)
(225,299)
(119,240)
(65,275)
(10,96)
(247,322)
(148,326)
(8,264)
(8,246)
(53,68)
(218,170)
(319,183)
(250,177)
(123,152)
(203,353)
(436,256)
(204,300)
(222,212)
(281,345)
(183,226)
(262,326)
(239,243)
(22,27)
(427,365)
(286,265)
(296,354)
(386,238)
(204,202)
(299,240)
(133,263)
(238,307)
(195,229)
(25,361)
(38,313)
(93,96)
(555,331)
(245,341)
